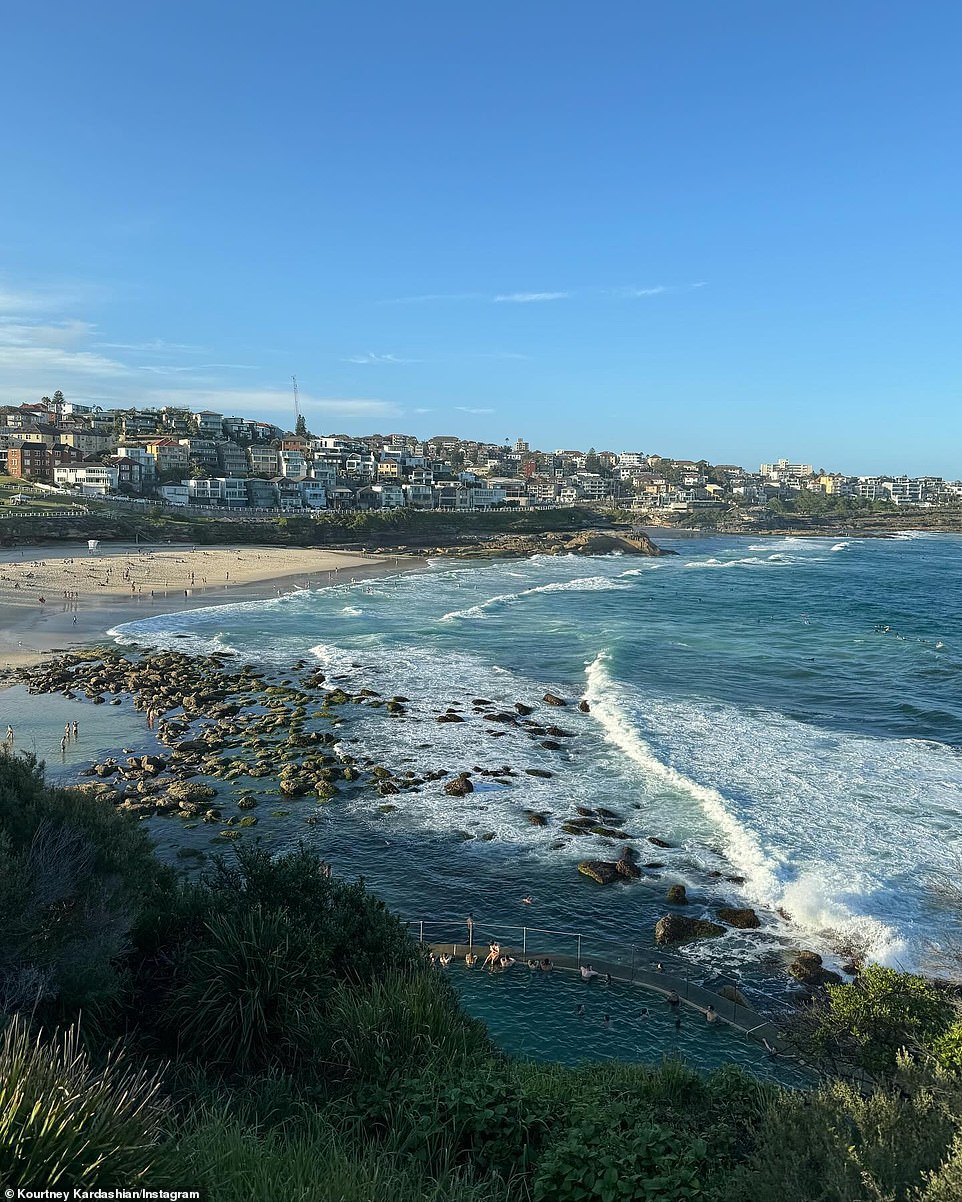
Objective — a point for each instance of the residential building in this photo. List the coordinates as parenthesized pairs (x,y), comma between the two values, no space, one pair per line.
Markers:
(292,464)
(209,424)
(232,459)
(263,460)
(91,478)
(262,494)
(169,455)
(313,494)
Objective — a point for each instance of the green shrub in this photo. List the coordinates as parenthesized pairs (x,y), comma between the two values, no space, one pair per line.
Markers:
(868,1022)
(406,1022)
(250,994)
(947,1048)
(842,1145)
(64,1122)
(610,1156)
(310,1162)
(235,974)
(73,875)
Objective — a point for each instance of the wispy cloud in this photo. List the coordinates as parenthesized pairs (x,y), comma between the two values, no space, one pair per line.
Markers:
(625,292)
(377,360)
(427,297)
(634,293)
(468,409)
(528,298)
(156,346)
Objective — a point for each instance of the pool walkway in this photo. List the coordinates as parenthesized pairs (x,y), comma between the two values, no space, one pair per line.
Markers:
(627,963)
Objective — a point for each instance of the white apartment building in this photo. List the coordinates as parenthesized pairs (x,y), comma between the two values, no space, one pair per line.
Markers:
(209,424)
(313,494)
(92,478)
(292,464)
(263,460)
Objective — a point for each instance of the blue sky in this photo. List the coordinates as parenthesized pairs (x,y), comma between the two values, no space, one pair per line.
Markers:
(697,228)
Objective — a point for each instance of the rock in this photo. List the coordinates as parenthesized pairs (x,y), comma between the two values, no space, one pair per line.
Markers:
(732,994)
(536,819)
(658,842)
(153,764)
(450,718)
(677,895)
(523,709)
(744,917)
(190,791)
(505,717)
(678,928)
(250,820)
(459,786)
(584,707)
(543,772)
(553,699)
(807,968)
(550,745)
(585,812)
(610,815)
(246,803)
(628,869)
(602,871)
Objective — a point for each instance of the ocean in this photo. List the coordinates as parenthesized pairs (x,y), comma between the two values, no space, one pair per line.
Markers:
(785,713)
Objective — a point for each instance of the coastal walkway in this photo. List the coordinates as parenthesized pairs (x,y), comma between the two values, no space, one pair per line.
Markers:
(628,963)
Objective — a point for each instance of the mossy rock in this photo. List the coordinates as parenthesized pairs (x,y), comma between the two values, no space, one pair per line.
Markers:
(386,809)
(742,917)
(677,895)
(280,813)
(250,820)
(679,928)
(601,871)
(229,835)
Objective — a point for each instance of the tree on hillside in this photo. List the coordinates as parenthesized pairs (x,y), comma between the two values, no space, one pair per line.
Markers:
(300,428)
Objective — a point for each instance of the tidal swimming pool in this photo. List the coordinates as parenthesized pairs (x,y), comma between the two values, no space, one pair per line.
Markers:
(535,1015)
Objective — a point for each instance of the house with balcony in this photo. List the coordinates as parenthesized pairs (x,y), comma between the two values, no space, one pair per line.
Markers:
(262,494)
(232,459)
(313,494)
(93,479)
(169,455)
(209,424)
(293,465)
(263,460)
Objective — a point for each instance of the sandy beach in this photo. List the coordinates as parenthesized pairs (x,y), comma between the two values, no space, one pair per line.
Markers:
(57,597)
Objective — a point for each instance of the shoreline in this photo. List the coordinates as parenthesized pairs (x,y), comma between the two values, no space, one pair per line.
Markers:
(86,595)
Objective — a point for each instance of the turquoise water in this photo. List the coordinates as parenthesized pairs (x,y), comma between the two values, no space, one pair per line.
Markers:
(787,713)
(38,726)
(536,1015)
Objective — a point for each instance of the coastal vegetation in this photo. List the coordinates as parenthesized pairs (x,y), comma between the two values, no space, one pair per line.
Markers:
(270,1031)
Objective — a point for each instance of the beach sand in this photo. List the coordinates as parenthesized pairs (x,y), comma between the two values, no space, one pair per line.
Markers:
(87,593)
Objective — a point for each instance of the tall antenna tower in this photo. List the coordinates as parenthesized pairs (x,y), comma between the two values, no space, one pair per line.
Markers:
(297,405)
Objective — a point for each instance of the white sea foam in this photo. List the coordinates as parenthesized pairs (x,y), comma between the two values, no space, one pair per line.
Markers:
(745,850)
(587,584)
(823,825)
(352,611)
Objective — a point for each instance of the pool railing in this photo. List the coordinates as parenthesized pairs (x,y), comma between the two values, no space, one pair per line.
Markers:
(662,973)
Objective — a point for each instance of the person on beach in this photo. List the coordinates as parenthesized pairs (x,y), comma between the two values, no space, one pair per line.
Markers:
(546,965)
(63,745)
(9,736)
(673,1000)
(470,959)
(587,972)
(445,959)
(494,954)
(710,1015)
(76,731)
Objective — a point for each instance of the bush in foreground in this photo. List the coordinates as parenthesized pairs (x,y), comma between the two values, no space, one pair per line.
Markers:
(65,1122)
